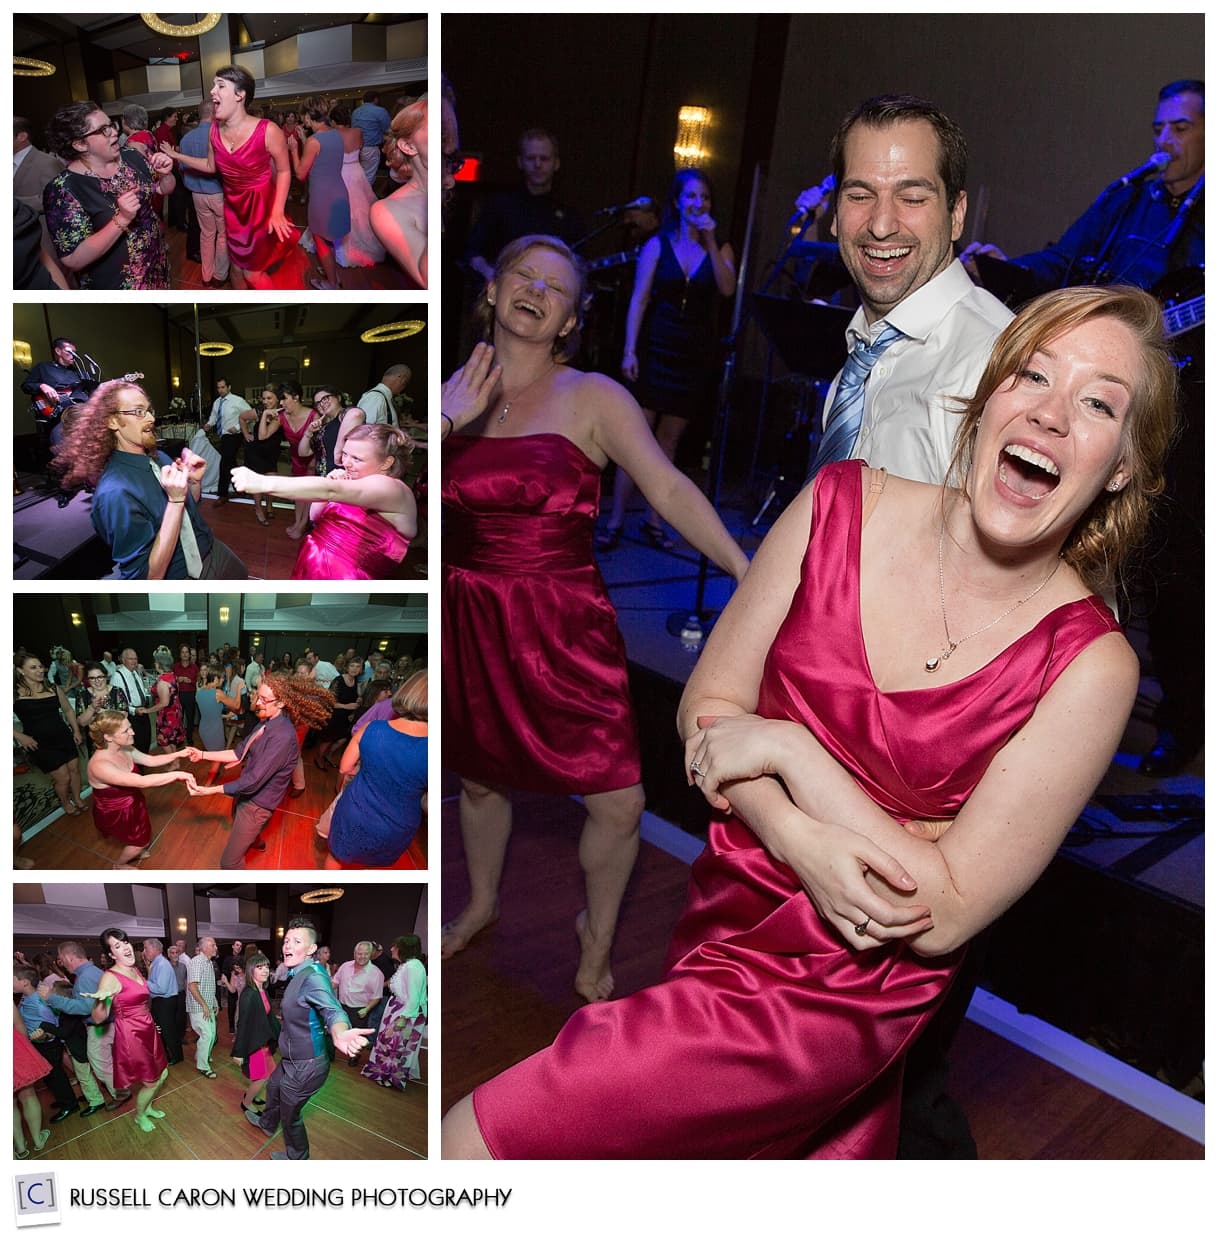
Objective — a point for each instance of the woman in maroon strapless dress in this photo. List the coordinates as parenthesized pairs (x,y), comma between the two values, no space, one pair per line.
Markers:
(535,689)
(364,516)
(897,652)
(119,810)
(251,158)
(139,1057)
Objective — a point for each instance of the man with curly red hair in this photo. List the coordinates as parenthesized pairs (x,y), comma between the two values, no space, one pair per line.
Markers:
(145,506)
(269,756)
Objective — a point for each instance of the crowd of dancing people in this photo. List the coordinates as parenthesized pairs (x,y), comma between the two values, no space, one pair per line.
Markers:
(115,187)
(99,1028)
(369,714)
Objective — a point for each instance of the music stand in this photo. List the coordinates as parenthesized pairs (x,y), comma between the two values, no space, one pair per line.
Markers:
(1012,284)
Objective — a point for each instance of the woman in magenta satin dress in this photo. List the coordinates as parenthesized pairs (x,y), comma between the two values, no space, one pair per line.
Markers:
(139,1057)
(897,652)
(535,690)
(251,158)
(364,516)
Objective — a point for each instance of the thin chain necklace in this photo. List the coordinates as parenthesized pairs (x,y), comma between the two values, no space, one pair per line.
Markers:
(516,397)
(932,665)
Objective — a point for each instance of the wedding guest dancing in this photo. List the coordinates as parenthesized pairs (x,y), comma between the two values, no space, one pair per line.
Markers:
(145,506)
(899,651)
(119,810)
(364,516)
(101,209)
(268,754)
(521,488)
(400,220)
(308,1004)
(394,1060)
(139,1057)
(49,731)
(320,163)
(251,158)
(257,1031)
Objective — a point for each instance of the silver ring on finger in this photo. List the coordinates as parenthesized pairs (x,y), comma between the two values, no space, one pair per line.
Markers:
(695,768)
(861,928)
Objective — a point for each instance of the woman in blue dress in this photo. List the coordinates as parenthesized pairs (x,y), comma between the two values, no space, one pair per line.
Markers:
(320,162)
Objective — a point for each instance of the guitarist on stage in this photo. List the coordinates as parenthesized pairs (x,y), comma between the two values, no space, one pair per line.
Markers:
(55,385)
(1148,228)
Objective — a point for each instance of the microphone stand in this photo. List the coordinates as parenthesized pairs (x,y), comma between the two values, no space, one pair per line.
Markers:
(691,626)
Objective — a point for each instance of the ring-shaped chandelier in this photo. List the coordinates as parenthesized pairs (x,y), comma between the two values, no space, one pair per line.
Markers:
(153,22)
(24,66)
(214,349)
(391,331)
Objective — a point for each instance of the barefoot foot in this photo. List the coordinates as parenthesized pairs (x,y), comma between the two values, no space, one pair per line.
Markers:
(593,980)
(456,935)
(154,1113)
(144,1123)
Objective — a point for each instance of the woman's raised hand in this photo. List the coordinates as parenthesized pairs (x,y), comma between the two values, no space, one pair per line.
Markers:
(167,149)
(246,481)
(126,207)
(162,163)
(730,748)
(467,393)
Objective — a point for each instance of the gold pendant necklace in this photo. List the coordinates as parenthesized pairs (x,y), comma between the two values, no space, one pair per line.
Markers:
(932,664)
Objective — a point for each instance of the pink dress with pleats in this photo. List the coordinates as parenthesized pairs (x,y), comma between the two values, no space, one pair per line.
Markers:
(350,542)
(769,1037)
(249,193)
(535,689)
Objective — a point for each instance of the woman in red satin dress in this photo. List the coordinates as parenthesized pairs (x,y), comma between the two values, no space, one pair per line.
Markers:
(297,419)
(251,158)
(897,652)
(139,1057)
(119,810)
(535,690)
(364,516)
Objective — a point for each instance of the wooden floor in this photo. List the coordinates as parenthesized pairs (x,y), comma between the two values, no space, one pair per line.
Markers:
(268,552)
(189,833)
(352,1119)
(298,270)
(510,991)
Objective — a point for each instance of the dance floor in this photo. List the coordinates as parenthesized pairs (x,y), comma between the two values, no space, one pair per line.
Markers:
(351,1119)
(509,992)
(189,833)
(187,275)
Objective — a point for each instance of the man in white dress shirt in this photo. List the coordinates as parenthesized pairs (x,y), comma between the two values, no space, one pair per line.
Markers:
(226,419)
(900,165)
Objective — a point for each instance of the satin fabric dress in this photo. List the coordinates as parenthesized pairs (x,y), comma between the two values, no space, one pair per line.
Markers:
(769,1037)
(535,689)
(249,194)
(302,464)
(138,1053)
(350,542)
(122,814)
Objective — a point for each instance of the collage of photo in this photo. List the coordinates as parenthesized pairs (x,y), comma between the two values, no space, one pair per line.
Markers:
(814,545)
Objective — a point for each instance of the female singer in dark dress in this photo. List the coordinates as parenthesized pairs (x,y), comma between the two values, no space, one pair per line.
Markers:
(49,731)
(535,690)
(682,273)
(897,652)
(139,1057)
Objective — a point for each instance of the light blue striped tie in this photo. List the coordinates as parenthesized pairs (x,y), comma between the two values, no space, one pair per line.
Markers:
(845,414)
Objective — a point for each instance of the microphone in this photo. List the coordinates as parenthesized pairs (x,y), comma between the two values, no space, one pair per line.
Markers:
(639,203)
(1156,162)
(799,220)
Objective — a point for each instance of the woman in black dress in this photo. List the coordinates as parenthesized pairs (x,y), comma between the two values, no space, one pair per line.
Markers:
(337,732)
(49,732)
(262,453)
(681,274)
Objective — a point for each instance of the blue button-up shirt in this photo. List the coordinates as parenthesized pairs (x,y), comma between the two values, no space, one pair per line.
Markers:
(128,506)
(195,143)
(373,121)
(161,980)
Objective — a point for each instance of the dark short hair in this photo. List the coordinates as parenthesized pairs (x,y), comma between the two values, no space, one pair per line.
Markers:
(537,134)
(60,342)
(1186,85)
(241,81)
(22,125)
(109,933)
(887,109)
(371,96)
(67,125)
(294,388)
(302,923)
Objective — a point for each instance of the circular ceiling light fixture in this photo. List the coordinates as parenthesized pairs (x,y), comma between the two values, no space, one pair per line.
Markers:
(322,895)
(153,22)
(23,66)
(391,331)
(214,349)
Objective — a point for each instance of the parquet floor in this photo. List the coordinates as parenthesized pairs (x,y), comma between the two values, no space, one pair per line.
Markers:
(510,991)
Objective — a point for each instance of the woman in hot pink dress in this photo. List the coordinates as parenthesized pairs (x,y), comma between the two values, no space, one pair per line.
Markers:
(139,1057)
(251,158)
(297,419)
(898,651)
(364,516)
(535,689)
(119,810)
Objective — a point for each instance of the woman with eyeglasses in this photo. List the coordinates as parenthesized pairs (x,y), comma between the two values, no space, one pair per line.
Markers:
(322,439)
(101,209)
(94,696)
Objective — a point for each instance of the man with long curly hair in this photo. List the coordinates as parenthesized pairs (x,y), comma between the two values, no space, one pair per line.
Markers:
(145,506)
(269,756)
